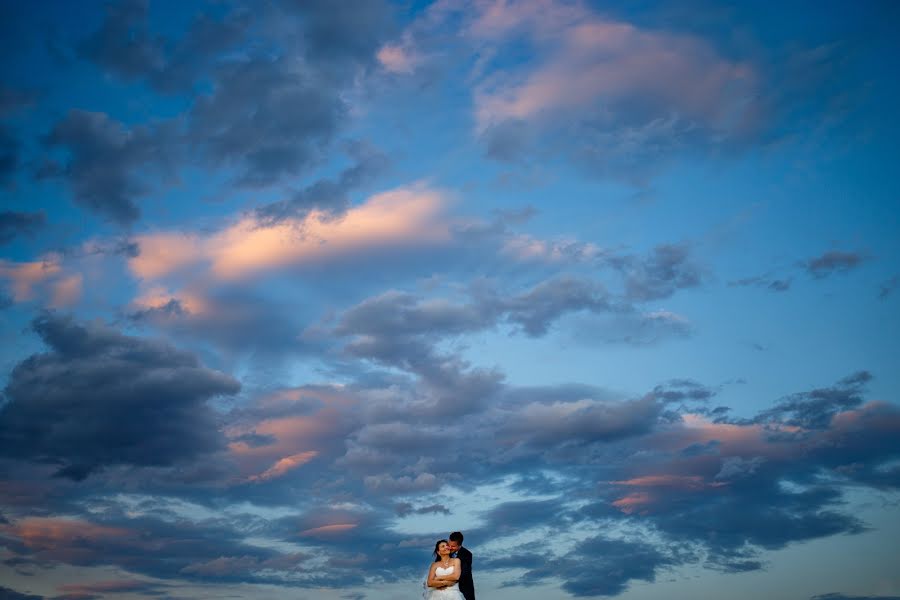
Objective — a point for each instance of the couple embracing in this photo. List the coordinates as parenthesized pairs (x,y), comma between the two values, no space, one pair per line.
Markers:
(450,575)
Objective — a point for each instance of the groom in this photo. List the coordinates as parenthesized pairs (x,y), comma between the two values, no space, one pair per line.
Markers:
(466,586)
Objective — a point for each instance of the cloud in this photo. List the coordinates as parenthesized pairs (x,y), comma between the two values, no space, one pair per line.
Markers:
(643,464)
(107,163)
(574,423)
(632,327)
(833,262)
(13,100)
(396,218)
(232,319)
(838,596)
(534,310)
(284,465)
(738,487)
(600,566)
(404,509)
(99,588)
(98,398)
(329,195)
(67,291)
(16,223)
(28,275)
(764,281)
(888,286)
(667,269)
(399,58)
(618,63)
(123,43)
(615,98)
(353,34)
(10,594)
(125,46)
(10,147)
(250,120)
(817,408)
(133,544)
(267,114)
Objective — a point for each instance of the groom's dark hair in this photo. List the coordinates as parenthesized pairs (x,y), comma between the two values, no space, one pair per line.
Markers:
(456,537)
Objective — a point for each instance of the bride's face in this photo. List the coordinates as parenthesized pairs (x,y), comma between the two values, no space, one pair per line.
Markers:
(443,549)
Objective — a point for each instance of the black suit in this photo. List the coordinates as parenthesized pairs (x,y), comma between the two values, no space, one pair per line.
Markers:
(466,586)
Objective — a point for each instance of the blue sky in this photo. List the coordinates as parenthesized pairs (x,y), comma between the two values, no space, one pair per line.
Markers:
(290,290)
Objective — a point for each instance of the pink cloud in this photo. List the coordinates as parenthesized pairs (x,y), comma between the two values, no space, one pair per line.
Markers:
(296,439)
(158,297)
(683,482)
(399,58)
(102,587)
(327,530)
(399,217)
(284,465)
(64,539)
(163,253)
(606,62)
(25,276)
(67,291)
(633,503)
(585,61)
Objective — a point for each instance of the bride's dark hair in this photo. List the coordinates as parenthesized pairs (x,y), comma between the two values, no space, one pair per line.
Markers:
(437,557)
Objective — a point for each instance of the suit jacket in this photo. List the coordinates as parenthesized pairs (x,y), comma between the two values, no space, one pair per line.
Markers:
(466,585)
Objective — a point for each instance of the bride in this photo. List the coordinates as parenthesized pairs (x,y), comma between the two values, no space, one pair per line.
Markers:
(443,575)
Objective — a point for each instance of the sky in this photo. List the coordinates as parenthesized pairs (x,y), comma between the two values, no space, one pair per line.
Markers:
(290,290)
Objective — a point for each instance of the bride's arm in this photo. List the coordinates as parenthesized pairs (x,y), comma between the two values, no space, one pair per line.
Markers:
(434,580)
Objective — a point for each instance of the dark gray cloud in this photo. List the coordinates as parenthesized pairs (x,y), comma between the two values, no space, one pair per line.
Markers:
(838,596)
(399,314)
(10,594)
(537,308)
(12,99)
(754,513)
(15,223)
(764,281)
(667,269)
(329,195)
(10,149)
(404,509)
(267,117)
(888,286)
(831,262)
(83,591)
(99,398)
(353,33)
(577,423)
(107,163)
(682,390)
(512,518)
(268,113)
(815,409)
(123,44)
(631,327)
(599,566)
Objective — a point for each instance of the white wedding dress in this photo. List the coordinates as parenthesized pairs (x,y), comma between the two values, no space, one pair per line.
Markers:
(447,593)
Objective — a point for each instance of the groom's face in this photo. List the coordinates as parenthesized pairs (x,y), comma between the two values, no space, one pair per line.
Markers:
(454,546)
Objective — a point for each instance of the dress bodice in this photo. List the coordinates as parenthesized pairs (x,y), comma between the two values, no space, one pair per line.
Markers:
(441,571)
